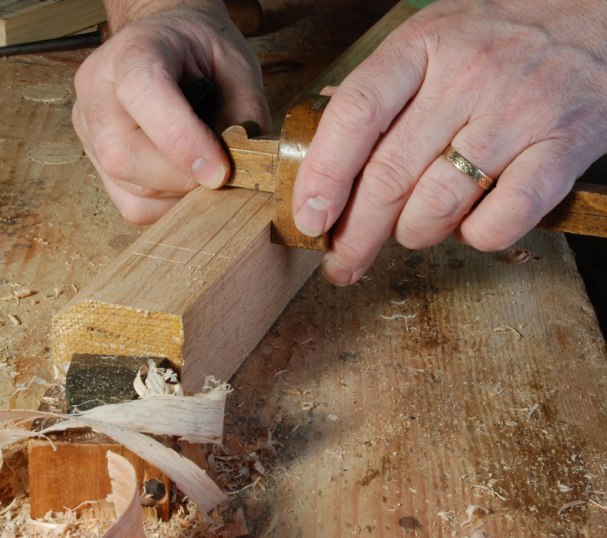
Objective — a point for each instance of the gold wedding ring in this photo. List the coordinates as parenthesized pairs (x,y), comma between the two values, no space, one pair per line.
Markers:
(463,164)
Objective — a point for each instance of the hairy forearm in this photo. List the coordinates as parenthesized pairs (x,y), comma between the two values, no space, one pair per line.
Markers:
(120,12)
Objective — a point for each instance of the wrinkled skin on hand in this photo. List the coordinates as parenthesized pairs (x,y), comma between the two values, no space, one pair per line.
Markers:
(517,87)
(136,126)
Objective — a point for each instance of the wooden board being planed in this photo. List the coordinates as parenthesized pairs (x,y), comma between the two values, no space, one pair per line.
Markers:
(199,288)
(203,285)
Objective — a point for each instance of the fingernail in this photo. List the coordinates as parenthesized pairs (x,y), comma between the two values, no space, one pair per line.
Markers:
(207,174)
(311,217)
(335,272)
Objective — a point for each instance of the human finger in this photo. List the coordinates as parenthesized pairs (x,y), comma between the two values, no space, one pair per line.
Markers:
(535,182)
(413,142)
(361,109)
(146,88)
(444,194)
(138,208)
(122,150)
(242,92)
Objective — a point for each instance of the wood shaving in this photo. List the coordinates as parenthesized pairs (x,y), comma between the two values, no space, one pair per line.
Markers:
(517,255)
(446,516)
(158,381)
(490,490)
(403,317)
(504,328)
(473,512)
(188,477)
(568,506)
(533,409)
(18,294)
(602,506)
(125,498)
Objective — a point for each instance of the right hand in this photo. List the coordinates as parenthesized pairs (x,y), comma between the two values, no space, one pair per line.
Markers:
(137,128)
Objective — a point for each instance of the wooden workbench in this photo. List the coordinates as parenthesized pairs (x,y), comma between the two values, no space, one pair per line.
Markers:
(445,380)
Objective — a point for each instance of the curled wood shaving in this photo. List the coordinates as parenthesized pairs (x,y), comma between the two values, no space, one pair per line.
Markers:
(504,328)
(125,498)
(157,381)
(173,415)
(517,255)
(490,490)
(533,409)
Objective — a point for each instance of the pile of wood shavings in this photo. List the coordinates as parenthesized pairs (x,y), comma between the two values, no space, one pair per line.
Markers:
(239,468)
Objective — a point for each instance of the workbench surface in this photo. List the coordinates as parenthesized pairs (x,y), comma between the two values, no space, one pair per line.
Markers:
(445,380)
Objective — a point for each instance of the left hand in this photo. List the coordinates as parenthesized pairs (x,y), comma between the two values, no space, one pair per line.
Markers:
(517,87)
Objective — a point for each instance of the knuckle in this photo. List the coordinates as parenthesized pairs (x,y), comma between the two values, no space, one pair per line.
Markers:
(439,198)
(353,252)
(137,80)
(520,209)
(133,85)
(356,110)
(383,184)
(133,213)
(76,121)
(80,79)
(116,157)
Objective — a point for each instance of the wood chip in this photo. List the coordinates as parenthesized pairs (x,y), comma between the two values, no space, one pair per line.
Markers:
(533,409)
(568,506)
(18,294)
(188,477)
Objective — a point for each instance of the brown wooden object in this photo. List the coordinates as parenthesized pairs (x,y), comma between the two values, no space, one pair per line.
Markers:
(254,160)
(295,137)
(199,288)
(271,165)
(67,474)
(583,211)
(247,15)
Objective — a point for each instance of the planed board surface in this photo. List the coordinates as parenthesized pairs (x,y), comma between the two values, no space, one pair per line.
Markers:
(446,378)
(382,431)
(34,20)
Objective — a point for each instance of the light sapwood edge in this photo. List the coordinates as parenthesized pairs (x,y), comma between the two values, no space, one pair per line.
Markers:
(36,21)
